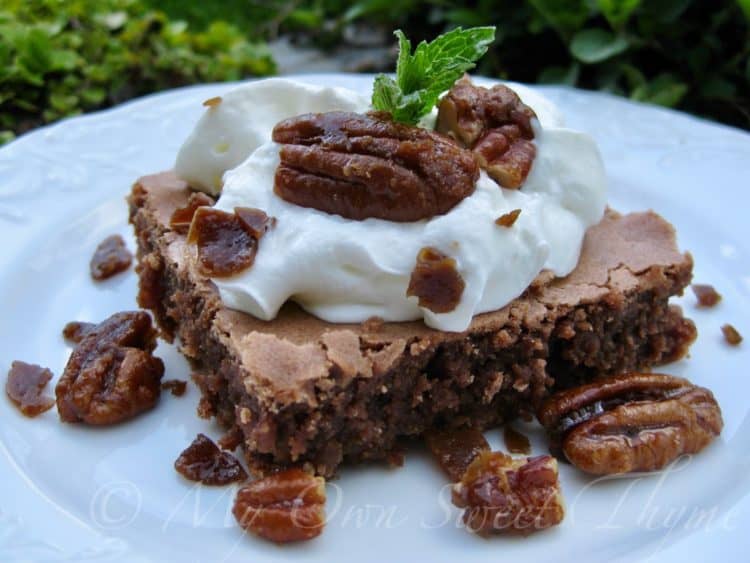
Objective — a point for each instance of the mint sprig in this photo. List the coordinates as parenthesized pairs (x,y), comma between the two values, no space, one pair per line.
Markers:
(431,70)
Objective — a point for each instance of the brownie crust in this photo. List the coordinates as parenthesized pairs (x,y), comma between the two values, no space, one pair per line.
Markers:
(305,391)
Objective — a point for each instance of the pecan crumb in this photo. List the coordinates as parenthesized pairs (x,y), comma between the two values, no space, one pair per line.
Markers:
(372,324)
(227,242)
(25,388)
(436,281)
(175,386)
(183,216)
(204,462)
(110,257)
(111,375)
(231,439)
(515,442)
(74,331)
(284,507)
(212,102)
(455,449)
(508,219)
(630,422)
(706,294)
(502,494)
(731,335)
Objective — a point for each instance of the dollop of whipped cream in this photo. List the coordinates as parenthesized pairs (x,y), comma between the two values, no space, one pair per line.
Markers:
(347,271)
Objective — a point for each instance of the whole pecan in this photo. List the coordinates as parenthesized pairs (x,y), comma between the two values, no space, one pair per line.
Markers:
(495,124)
(511,495)
(283,507)
(366,165)
(630,422)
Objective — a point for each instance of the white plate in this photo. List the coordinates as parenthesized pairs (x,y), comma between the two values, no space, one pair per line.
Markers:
(71,492)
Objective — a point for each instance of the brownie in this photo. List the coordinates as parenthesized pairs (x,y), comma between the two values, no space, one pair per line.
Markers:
(305,391)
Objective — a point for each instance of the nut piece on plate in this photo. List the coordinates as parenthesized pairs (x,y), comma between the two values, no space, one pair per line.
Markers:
(227,242)
(111,375)
(284,507)
(204,462)
(361,166)
(111,257)
(436,281)
(183,216)
(630,422)
(25,388)
(455,449)
(731,335)
(502,494)
(706,294)
(495,124)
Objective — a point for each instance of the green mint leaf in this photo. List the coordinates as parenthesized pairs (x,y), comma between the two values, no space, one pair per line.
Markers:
(432,69)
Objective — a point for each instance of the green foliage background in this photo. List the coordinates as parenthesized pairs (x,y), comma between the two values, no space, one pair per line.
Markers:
(62,57)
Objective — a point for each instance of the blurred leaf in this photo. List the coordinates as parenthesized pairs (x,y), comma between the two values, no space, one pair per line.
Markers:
(560,75)
(745,5)
(596,45)
(618,12)
(664,90)
(563,15)
(718,88)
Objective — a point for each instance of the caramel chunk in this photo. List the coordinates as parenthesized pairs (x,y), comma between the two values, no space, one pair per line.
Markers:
(515,442)
(175,386)
(183,216)
(361,166)
(111,257)
(630,422)
(284,507)
(74,331)
(111,375)
(506,495)
(455,449)
(508,219)
(204,462)
(706,294)
(227,242)
(731,335)
(436,281)
(25,388)
(495,124)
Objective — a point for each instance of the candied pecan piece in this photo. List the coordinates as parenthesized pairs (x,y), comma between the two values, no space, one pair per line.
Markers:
(231,439)
(74,331)
(502,494)
(515,442)
(227,242)
(495,124)
(731,335)
(436,281)
(212,102)
(204,462)
(175,386)
(183,216)
(360,166)
(630,422)
(111,375)
(111,257)
(25,388)
(284,507)
(508,219)
(706,294)
(455,449)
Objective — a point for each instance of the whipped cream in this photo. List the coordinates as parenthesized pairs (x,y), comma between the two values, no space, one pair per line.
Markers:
(342,270)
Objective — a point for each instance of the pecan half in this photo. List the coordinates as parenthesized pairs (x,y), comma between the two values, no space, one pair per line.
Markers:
(495,124)
(283,507)
(630,422)
(361,166)
(510,495)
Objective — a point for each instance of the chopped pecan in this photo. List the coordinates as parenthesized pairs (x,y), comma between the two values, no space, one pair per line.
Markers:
(212,102)
(511,495)
(360,166)
(706,294)
(74,331)
(25,388)
(227,242)
(436,281)
(111,375)
(175,386)
(508,219)
(183,216)
(204,462)
(111,257)
(455,449)
(495,124)
(283,507)
(630,422)
(515,442)
(731,335)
